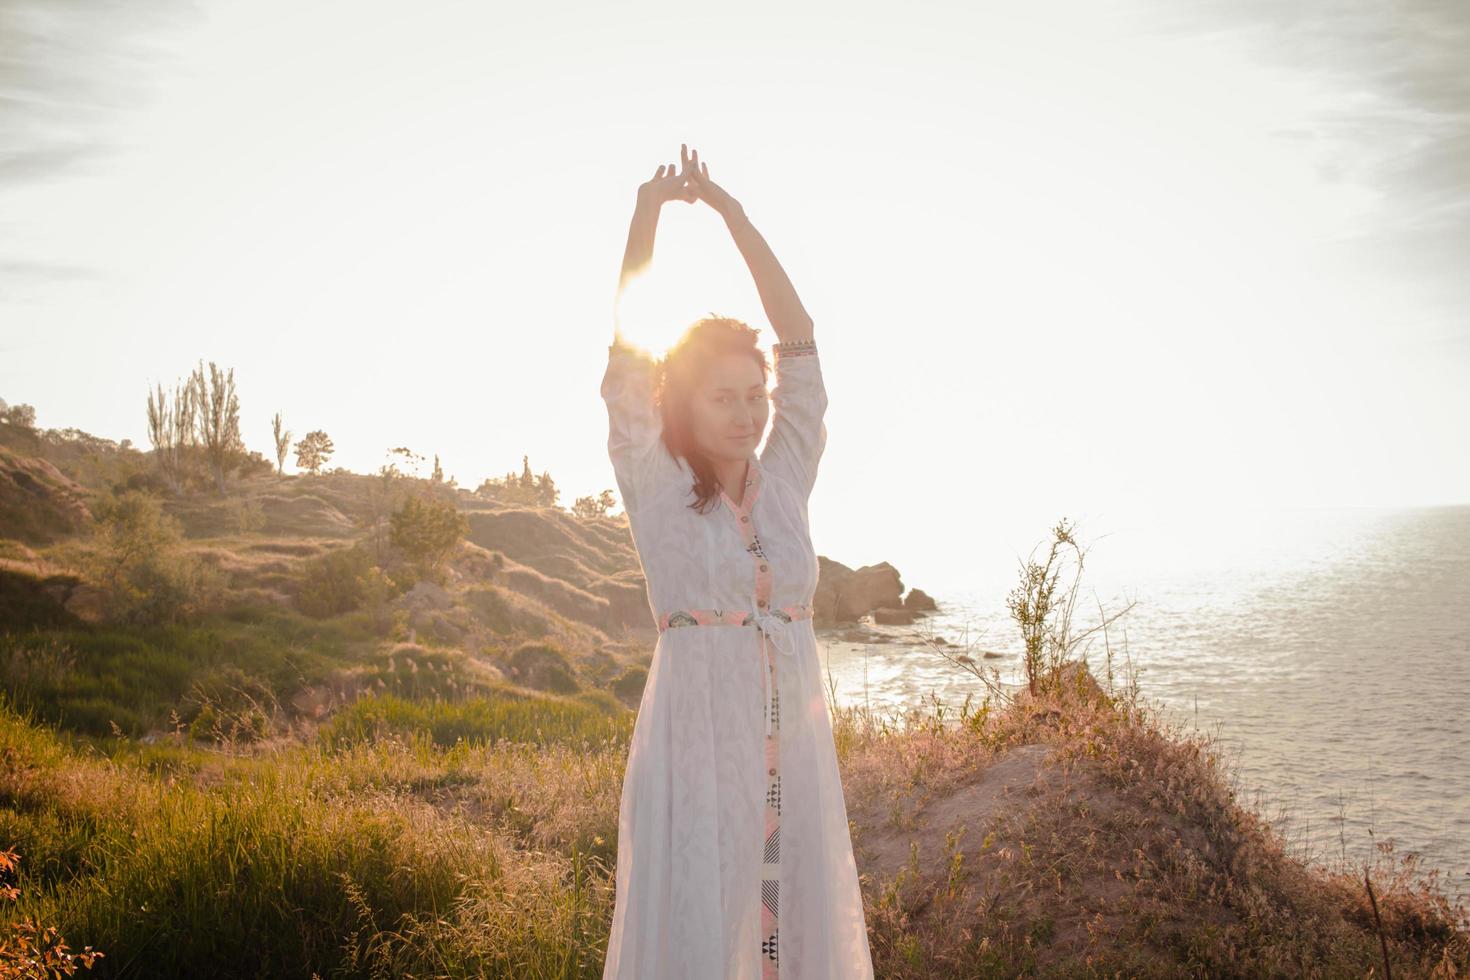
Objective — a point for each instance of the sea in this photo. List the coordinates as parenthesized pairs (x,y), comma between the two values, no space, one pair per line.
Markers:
(1327,651)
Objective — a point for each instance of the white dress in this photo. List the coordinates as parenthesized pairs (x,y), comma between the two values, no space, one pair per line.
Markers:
(734,858)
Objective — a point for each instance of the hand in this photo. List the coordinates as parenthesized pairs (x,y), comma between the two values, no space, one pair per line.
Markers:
(666,185)
(709,192)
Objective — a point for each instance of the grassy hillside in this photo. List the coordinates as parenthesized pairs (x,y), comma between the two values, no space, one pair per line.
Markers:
(278,746)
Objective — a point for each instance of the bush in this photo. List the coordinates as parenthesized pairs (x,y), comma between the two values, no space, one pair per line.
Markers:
(139,566)
(427,531)
(27,949)
(337,582)
(629,687)
(543,667)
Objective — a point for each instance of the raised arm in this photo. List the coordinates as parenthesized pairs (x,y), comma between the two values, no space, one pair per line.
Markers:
(635,427)
(778,296)
(665,185)
(798,428)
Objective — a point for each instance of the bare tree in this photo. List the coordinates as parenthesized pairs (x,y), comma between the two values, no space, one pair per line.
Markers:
(218,421)
(283,442)
(158,429)
(171,431)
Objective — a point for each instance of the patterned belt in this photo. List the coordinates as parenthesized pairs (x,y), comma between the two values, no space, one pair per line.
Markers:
(771,625)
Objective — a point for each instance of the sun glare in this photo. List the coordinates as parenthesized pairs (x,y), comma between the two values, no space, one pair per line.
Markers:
(650,314)
(696,271)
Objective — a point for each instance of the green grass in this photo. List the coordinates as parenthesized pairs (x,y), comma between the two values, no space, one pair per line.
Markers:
(592,717)
(87,678)
(391,857)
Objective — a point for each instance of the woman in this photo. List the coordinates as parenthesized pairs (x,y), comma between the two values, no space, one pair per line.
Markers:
(734,858)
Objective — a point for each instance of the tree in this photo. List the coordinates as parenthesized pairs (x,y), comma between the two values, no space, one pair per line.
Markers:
(22,416)
(313,451)
(525,488)
(218,419)
(283,442)
(413,462)
(18,426)
(428,530)
(438,476)
(171,431)
(546,492)
(594,506)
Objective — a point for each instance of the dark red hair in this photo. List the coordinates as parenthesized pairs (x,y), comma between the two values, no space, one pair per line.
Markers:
(681,371)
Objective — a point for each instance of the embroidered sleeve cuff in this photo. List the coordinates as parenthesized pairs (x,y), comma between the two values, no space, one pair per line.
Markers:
(794,348)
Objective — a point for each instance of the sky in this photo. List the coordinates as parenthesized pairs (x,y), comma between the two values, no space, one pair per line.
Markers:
(1092,258)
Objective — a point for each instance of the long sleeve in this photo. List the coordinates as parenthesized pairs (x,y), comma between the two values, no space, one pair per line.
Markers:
(634,423)
(799,403)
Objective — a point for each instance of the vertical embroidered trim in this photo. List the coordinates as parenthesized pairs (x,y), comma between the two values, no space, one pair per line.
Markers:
(771,859)
(770,871)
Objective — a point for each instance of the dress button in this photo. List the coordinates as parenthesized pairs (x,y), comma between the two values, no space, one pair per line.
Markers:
(744,519)
(763,566)
(771,772)
(761,603)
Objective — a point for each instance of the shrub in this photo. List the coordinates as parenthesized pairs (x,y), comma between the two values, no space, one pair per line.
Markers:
(629,687)
(337,582)
(427,531)
(249,514)
(29,950)
(138,564)
(543,667)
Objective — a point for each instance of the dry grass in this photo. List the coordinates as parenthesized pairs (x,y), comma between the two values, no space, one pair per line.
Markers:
(1066,835)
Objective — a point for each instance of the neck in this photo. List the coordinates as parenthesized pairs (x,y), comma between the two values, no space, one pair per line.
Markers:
(732,475)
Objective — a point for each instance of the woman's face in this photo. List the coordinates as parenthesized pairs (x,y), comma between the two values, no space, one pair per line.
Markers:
(729,410)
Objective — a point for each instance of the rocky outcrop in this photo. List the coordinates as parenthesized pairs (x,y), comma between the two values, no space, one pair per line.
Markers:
(919,601)
(845,595)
